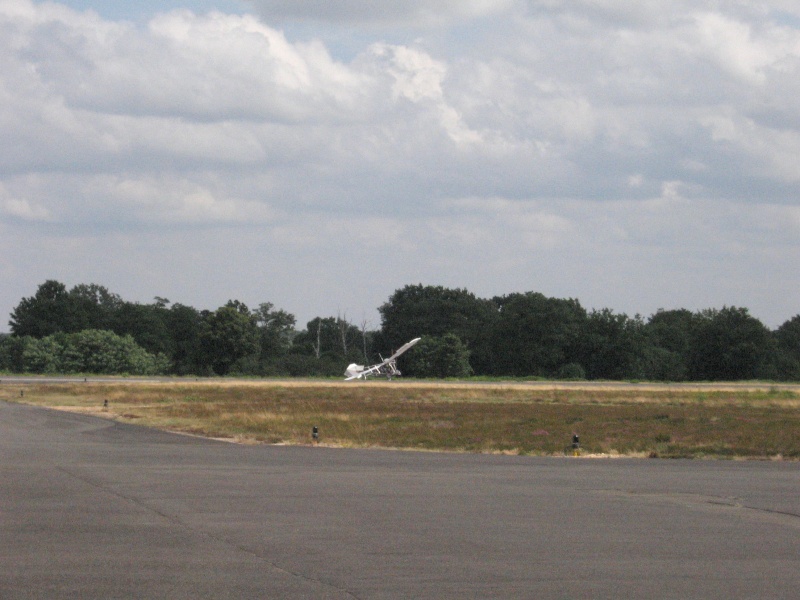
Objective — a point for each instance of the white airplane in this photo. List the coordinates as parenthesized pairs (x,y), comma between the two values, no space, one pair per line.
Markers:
(388,368)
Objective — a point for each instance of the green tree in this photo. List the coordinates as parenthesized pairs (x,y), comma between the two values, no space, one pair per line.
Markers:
(46,312)
(147,324)
(535,335)
(53,309)
(673,329)
(731,345)
(423,311)
(276,330)
(439,357)
(92,306)
(331,337)
(787,338)
(228,335)
(318,339)
(184,324)
(671,333)
(613,346)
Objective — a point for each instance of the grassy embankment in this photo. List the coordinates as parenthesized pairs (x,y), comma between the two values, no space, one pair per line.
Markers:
(663,421)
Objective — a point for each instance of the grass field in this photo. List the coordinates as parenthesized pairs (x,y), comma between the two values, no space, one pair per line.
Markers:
(708,421)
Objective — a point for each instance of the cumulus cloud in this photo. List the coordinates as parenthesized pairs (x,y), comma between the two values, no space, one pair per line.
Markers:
(521,135)
(20,208)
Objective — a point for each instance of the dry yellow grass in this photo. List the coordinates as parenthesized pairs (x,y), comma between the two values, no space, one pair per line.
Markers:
(730,420)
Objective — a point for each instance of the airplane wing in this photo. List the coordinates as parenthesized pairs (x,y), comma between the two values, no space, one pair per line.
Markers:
(402,349)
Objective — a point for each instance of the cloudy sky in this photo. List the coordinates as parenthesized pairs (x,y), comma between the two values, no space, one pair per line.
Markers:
(321,154)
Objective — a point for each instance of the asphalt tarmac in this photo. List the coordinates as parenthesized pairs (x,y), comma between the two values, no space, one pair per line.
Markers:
(95,509)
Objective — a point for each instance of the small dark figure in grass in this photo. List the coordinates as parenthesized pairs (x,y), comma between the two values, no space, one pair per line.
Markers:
(576,445)
(315,434)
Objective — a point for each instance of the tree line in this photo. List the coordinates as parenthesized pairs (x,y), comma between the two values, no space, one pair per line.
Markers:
(88,329)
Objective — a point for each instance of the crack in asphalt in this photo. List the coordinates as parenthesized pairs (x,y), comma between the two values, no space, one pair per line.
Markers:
(216,538)
(722,502)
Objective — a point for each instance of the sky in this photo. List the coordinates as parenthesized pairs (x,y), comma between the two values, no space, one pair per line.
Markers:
(320,155)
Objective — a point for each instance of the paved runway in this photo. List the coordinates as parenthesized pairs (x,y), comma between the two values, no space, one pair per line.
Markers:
(95,509)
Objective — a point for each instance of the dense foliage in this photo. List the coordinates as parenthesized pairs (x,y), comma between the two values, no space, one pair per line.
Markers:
(88,351)
(89,329)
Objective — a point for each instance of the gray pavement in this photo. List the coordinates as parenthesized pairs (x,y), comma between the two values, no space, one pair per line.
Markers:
(95,509)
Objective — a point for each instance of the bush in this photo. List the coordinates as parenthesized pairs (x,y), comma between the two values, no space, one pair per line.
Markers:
(572,371)
(90,351)
(41,356)
(11,350)
(440,357)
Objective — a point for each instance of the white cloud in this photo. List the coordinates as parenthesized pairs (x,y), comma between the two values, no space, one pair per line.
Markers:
(734,47)
(548,142)
(20,208)
(205,67)
(773,152)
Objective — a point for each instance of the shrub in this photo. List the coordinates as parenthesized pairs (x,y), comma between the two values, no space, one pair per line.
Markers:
(572,371)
